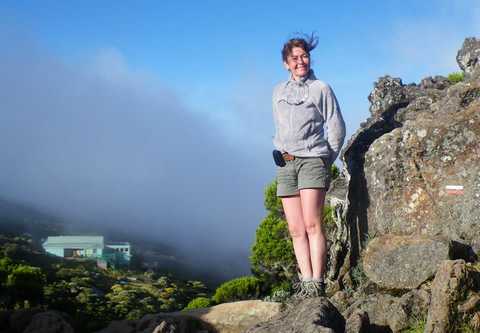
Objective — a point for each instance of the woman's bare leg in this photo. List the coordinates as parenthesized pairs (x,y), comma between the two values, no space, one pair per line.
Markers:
(292,207)
(312,201)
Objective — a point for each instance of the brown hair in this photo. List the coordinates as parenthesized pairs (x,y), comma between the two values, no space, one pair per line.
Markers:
(306,42)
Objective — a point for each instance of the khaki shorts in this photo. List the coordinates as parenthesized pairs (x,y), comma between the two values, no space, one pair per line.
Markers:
(302,172)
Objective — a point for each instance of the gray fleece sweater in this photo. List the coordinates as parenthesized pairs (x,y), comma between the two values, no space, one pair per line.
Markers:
(307,117)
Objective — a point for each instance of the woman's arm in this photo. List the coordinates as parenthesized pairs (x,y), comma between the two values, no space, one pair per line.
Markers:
(334,123)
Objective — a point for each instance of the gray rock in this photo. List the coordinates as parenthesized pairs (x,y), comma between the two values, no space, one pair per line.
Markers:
(358,322)
(390,313)
(120,326)
(19,319)
(49,322)
(449,286)
(468,57)
(234,317)
(308,316)
(403,262)
(436,82)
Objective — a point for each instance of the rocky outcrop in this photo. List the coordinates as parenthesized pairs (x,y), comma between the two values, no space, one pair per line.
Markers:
(235,317)
(449,287)
(412,174)
(35,321)
(468,57)
(358,322)
(308,316)
(413,169)
(49,322)
(403,262)
(387,312)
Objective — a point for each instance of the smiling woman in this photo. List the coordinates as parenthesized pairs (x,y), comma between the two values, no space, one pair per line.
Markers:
(302,107)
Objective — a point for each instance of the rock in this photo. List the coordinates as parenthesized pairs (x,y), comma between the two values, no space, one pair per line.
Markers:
(468,57)
(358,322)
(449,286)
(399,262)
(4,320)
(387,94)
(19,319)
(470,305)
(307,316)
(236,317)
(49,322)
(337,236)
(408,170)
(438,82)
(340,300)
(390,313)
(120,326)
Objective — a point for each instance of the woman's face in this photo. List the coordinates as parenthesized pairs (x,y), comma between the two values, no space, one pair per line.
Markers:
(298,63)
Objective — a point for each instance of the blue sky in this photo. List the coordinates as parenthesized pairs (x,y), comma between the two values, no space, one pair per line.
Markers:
(176,100)
(207,51)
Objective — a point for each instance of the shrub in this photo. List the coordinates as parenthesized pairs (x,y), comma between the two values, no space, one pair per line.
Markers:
(26,282)
(272,202)
(334,171)
(198,303)
(247,287)
(455,77)
(273,258)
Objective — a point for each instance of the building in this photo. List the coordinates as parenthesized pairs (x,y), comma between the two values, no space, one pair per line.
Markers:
(89,247)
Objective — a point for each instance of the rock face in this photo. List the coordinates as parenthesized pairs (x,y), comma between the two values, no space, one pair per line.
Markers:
(49,322)
(309,316)
(388,313)
(413,168)
(233,317)
(399,262)
(449,286)
(468,58)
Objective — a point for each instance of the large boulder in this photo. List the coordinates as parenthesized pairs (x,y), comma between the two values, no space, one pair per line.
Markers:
(423,178)
(400,262)
(387,313)
(49,322)
(308,316)
(234,317)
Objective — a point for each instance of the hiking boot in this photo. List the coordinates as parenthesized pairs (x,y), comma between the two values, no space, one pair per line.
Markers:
(315,288)
(300,290)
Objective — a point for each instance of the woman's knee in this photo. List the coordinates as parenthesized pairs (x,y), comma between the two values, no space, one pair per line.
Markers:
(296,231)
(313,226)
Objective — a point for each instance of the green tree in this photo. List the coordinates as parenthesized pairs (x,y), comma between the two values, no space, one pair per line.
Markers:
(272,258)
(198,303)
(26,283)
(246,287)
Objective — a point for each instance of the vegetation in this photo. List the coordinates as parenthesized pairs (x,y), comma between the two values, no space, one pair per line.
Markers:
(198,303)
(455,77)
(91,296)
(418,325)
(272,258)
(247,287)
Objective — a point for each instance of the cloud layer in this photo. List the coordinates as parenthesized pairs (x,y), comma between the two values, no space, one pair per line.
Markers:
(103,144)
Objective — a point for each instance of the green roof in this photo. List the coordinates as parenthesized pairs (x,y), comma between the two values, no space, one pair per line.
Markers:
(84,242)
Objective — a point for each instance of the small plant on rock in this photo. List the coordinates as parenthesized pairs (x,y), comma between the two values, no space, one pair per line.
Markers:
(455,77)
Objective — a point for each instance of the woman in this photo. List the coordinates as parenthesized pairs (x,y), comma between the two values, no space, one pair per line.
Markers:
(309,132)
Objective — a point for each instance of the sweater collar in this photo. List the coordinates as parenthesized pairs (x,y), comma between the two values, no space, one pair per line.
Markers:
(307,79)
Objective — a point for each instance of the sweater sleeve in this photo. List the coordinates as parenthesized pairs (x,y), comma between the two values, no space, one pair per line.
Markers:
(276,142)
(334,123)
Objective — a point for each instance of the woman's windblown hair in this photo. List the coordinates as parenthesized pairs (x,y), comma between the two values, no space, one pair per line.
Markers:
(304,41)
